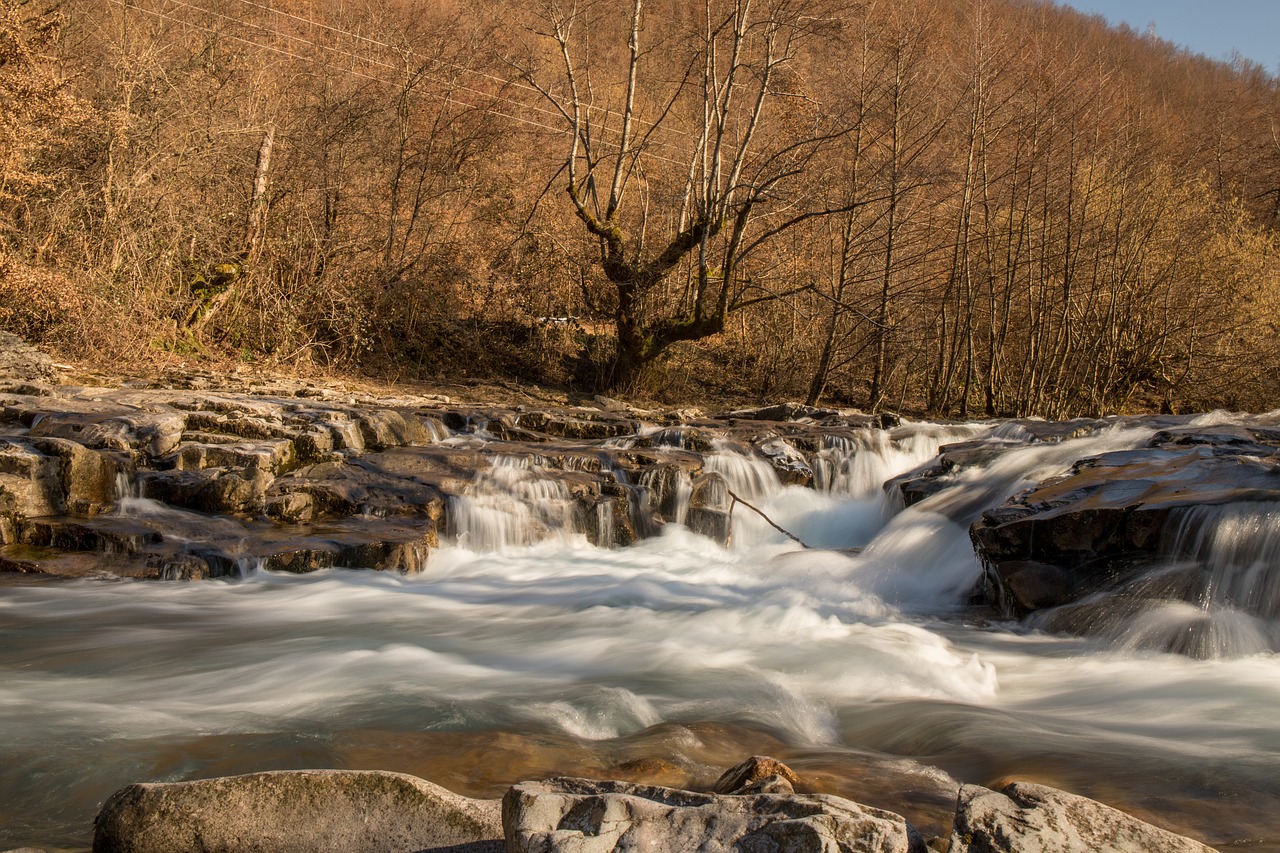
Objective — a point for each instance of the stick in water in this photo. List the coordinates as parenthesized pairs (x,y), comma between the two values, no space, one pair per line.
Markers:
(787,533)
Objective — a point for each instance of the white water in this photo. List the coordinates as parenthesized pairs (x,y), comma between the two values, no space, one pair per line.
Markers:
(508,631)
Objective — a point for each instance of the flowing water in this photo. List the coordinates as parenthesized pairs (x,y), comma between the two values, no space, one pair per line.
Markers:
(523,651)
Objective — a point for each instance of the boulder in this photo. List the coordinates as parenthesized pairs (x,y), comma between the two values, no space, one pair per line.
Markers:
(307,811)
(758,774)
(582,816)
(791,466)
(383,428)
(89,477)
(1109,517)
(1027,818)
(152,434)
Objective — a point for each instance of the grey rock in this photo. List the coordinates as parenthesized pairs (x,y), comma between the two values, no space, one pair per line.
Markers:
(22,362)
(307,811)
(150,433)
(1027,818)
(582,816)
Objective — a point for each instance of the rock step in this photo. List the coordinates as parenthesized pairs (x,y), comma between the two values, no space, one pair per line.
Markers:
(380,812)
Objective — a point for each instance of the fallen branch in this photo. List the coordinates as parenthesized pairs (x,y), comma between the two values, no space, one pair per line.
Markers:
(735,500)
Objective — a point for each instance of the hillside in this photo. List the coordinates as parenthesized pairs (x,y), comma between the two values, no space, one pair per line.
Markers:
(968,207)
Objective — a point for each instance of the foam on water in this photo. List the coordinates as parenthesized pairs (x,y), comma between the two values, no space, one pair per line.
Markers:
(509,631)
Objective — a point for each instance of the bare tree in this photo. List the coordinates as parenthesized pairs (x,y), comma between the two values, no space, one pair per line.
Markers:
(687,163)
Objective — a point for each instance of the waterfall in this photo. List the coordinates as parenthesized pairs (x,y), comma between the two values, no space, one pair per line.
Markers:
(1238,546)
(749,477)
(1213,593)
(511,503)
(859,465)
(1226,560)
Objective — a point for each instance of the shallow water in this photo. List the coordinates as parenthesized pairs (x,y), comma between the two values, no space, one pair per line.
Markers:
(666,661)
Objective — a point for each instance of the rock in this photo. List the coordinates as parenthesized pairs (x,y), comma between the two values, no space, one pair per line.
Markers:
(152,434)
(274,456)
(758,774)
(211,490)
(711,508)
(383,428)
(308,811)
(594,425)
(1110,515)
(24,363)
(781,412)
(582,816)
(378,544)
(30,483)
(1032,586)
(1027,818)
(791,466)
(89,477)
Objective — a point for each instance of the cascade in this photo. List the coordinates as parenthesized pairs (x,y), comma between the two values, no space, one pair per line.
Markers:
(860,465)
(749,477)
(1238,547)
(511,503)
(1216,592)
(528,644)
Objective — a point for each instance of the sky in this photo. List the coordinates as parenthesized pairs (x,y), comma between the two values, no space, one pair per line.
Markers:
(1211,27)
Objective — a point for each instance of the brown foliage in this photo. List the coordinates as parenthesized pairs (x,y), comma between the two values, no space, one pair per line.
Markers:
(989,207)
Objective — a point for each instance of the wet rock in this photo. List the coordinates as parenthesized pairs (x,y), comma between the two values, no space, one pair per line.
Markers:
(681,437)
(209,490)
(307,811)
(108,534)
(781,412)
(759,774)
(791,466)
(1110,514)
(1026,818)
(1028,586)
(349,544)
(711,508)
(403,481)
(608,519)
(583,816)
(590,427)
(939,473)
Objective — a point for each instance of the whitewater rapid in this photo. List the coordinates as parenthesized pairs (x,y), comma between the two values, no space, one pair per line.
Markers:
(862,643)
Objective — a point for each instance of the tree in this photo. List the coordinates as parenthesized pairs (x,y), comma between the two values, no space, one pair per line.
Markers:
(37,110)
(687,162)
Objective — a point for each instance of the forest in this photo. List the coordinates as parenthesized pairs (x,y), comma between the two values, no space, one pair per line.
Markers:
(957,208)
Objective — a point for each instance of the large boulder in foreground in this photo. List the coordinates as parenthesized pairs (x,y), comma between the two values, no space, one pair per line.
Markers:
(304,811)
(1027,818)
(582,816)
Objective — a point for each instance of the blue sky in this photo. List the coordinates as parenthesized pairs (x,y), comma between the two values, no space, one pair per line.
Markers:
(1212,27)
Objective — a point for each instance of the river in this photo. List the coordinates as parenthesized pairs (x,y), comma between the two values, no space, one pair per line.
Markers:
(858,660)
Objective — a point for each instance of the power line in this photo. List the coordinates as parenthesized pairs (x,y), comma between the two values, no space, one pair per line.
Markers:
(124,4)
(287,37)
(465,69)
